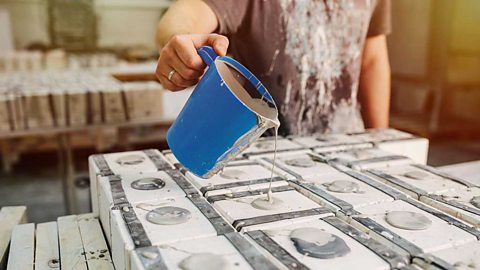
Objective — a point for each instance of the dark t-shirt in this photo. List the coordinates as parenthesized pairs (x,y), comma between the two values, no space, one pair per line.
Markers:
(307,53)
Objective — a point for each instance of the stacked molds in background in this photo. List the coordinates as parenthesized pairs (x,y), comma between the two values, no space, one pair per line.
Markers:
(47,99)
(340,201)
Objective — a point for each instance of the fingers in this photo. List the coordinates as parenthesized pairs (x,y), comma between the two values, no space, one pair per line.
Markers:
(180,54)
(218,42)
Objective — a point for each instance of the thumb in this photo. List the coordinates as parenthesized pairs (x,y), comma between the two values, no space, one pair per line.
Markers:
(218,42)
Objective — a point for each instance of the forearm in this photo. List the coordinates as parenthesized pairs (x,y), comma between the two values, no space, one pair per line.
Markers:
(185,17)
(374,85)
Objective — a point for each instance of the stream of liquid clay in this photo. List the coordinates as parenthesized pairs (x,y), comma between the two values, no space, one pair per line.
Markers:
(203,261)
(270,202)
(408,220)
(267,116)
(316,243)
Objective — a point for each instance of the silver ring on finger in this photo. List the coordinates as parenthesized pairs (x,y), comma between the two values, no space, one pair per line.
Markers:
(170,74)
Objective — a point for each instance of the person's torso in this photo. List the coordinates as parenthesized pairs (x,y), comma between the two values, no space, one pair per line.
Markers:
(308,55)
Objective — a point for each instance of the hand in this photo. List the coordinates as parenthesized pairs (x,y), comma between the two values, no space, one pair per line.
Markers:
(180,54)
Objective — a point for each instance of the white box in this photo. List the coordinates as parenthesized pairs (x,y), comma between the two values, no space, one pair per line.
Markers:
(439,235)
(416,180)
(359,257)
(237,208)
(323,189)
(123,184)
(239,176)
(120,163)
(228,252)
(397,142)
(365,158)
(458,203)
(139,232)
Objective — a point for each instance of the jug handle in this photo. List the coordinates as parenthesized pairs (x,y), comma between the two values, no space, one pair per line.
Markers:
(207,54)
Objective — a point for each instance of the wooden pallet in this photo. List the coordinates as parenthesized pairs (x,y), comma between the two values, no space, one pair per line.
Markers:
(9,218)
(72,242)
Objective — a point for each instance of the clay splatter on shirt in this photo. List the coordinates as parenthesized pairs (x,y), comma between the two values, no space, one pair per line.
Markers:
(307,53)
(324,40)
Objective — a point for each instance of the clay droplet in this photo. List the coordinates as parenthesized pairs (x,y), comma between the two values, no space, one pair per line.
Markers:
(316,243)
(408,220)
(148,183)
(130,160)
(168,215)
(203,261)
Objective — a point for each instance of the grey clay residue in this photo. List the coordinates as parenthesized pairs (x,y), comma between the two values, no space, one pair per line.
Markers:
(168,215)
(202,261)
(316,243)
(148,183)
(408,220)
(130,160)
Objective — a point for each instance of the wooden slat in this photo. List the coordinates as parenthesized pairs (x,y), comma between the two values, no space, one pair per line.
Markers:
(72,255)
(94,244)
(59,108)
(113,109)
(37,110)
(9,217)
(22,247)
(77,108)
(46,251)
(143,101)
(4,114)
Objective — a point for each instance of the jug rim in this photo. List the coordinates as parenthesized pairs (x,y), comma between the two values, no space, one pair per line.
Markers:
(249,76)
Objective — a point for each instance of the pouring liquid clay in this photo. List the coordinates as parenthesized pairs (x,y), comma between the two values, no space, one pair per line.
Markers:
(266,112)
(228,110)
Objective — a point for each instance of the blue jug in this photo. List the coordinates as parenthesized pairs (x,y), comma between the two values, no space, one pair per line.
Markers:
(215,124)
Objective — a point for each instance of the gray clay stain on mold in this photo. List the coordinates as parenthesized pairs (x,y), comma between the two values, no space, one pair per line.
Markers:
(408,220)
(233,174)
(263,203)
(343,186)
(203,261)
(475,201)
(362,154)
(148,183)
(302,162)
(168,215)
(265,145)
(130,160)
(316,243)
(416,175)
